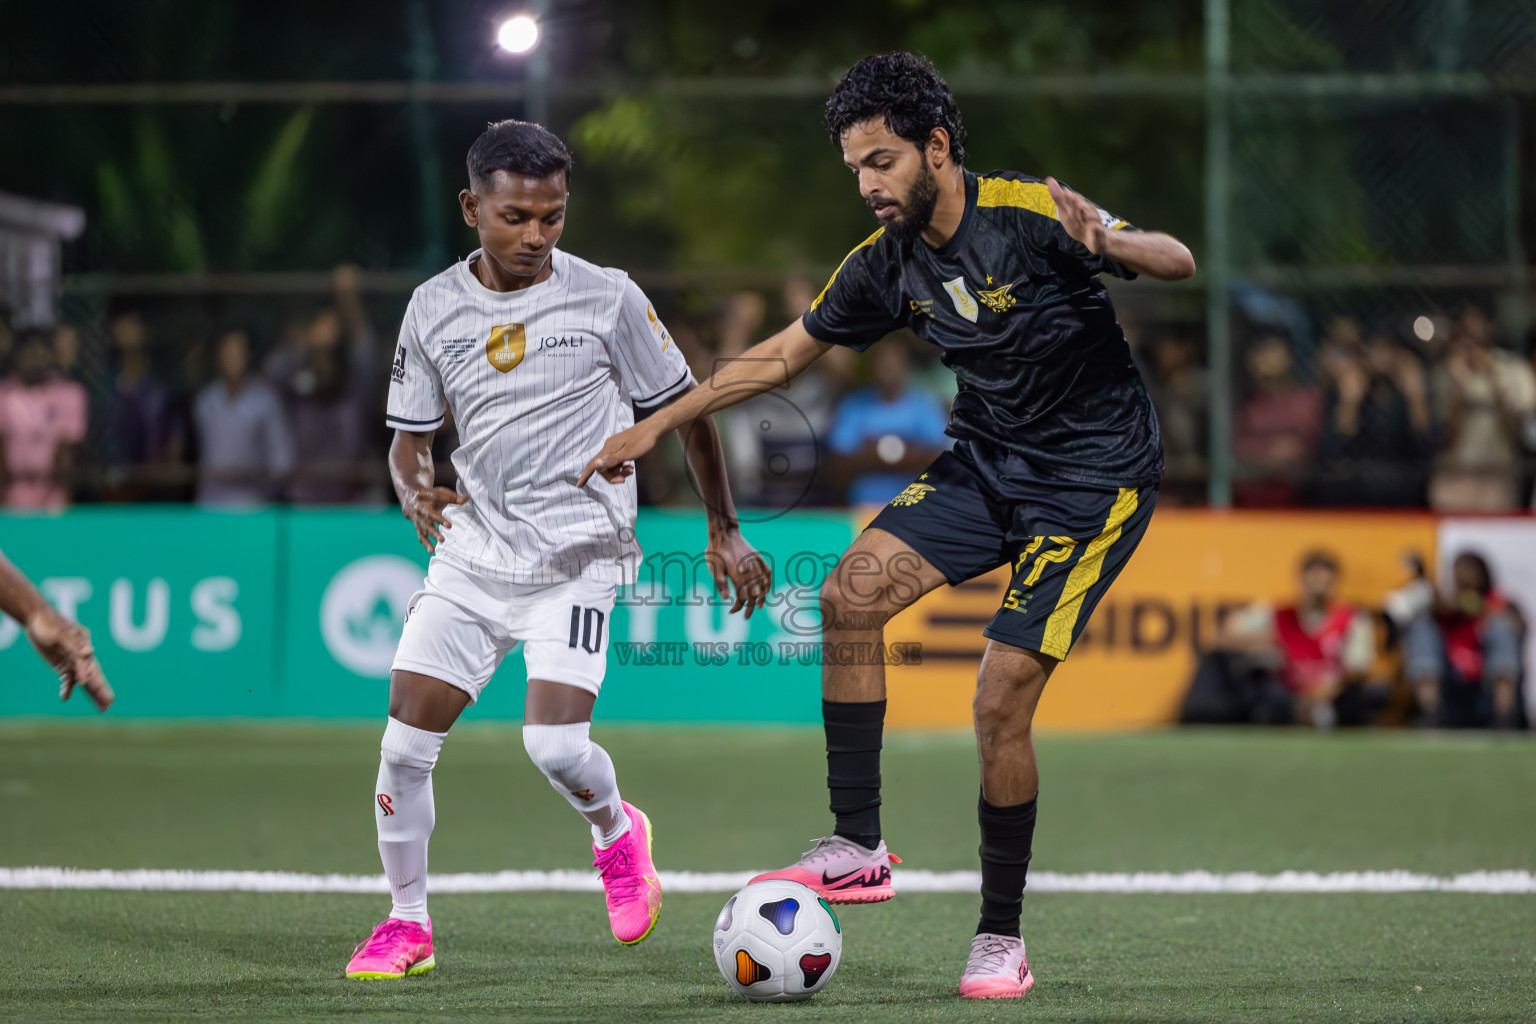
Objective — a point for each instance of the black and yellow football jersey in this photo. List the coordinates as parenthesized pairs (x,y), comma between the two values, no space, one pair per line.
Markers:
(1018,310)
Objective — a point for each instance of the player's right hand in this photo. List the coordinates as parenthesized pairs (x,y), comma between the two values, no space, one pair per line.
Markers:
(67,647)
(1079,218)
(424,508)
(617,459)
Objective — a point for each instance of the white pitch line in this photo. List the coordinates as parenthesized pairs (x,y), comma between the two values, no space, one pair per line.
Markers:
(1494,882)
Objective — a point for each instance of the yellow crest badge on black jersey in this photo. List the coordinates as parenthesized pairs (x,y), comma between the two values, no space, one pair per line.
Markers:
(998,300)
(505,347)
(912,495)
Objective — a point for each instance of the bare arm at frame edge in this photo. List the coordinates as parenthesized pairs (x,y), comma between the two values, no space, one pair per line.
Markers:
(64,645)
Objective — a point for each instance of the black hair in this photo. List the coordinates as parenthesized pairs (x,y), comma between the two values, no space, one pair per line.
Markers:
(517,147)
(1320,558)
(29,336)
(903,88)
(1480,565)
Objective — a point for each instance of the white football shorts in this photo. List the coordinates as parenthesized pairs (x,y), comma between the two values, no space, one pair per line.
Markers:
(460,625)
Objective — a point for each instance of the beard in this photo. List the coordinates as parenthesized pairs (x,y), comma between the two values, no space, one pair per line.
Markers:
(916,211)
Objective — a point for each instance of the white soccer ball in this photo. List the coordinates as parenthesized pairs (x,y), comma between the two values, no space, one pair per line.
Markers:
(777,942)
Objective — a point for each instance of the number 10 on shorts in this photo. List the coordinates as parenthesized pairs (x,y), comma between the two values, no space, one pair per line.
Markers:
(586,629)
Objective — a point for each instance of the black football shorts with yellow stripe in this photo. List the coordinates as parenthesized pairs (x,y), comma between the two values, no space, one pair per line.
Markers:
(976,509)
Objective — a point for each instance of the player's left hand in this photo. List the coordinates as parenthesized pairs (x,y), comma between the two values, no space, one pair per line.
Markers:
(730,557)
(1079,218)
(67,647)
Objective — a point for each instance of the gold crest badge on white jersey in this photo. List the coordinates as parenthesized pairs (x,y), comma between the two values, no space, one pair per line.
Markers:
(506,346)
(965,304)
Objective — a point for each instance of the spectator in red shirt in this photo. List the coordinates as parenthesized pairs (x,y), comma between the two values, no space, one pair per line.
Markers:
(42,421)
(1276,429)
(1316,645)
(1463,658)
(1301,662)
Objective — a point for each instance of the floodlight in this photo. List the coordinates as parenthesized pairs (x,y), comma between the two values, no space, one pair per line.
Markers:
(518,34)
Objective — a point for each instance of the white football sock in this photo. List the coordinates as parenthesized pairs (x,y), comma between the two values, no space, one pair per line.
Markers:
(582,772)
(403,810)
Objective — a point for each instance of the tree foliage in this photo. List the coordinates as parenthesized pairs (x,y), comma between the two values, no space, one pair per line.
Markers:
(698,182)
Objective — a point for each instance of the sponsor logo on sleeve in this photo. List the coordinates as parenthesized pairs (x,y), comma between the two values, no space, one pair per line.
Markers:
(658,328)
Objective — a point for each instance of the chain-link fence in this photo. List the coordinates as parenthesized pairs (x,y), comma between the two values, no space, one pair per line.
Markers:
(1379,346)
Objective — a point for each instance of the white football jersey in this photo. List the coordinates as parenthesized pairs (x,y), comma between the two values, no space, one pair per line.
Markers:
(537,379)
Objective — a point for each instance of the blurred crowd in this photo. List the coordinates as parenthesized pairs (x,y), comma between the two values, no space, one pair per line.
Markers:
(1443,657)
(1437,411)
(1434,411)
(206,420)
(227,422)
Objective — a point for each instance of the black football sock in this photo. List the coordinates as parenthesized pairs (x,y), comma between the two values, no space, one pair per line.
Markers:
(853,767)
(1007,833)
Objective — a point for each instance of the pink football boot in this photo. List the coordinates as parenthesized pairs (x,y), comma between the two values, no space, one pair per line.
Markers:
(996,969)
(629,879)
(395,949)
(842,871)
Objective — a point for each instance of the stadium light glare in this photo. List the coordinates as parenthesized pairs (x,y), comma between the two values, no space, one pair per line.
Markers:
(1424,328)
(518,34)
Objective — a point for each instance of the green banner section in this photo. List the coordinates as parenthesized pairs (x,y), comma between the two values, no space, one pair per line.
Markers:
(180,604)
(296,613)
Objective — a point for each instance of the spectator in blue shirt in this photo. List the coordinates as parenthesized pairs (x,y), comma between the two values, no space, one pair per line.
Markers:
(246,450)
(885,434)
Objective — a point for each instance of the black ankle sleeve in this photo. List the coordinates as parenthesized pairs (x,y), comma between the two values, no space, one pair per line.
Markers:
(1007,836)
(854,732)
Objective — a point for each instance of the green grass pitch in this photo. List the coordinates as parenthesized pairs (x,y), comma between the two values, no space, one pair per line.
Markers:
(100,795)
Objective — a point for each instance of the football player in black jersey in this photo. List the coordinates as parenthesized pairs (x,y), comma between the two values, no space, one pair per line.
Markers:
(1054,470)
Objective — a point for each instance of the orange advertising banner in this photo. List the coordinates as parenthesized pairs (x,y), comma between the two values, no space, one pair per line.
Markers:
(1134,661)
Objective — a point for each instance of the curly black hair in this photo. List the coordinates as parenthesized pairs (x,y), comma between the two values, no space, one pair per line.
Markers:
(903,88)
(517,147)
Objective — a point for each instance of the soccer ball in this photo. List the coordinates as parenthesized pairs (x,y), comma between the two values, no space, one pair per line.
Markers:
(777,942)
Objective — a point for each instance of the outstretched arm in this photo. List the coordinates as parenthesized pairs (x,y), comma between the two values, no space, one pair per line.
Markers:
(1145,252)
(18,597)
(63,644)
(767,365)
(728,555)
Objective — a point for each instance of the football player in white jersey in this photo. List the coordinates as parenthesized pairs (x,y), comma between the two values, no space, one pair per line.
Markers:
(539,355)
